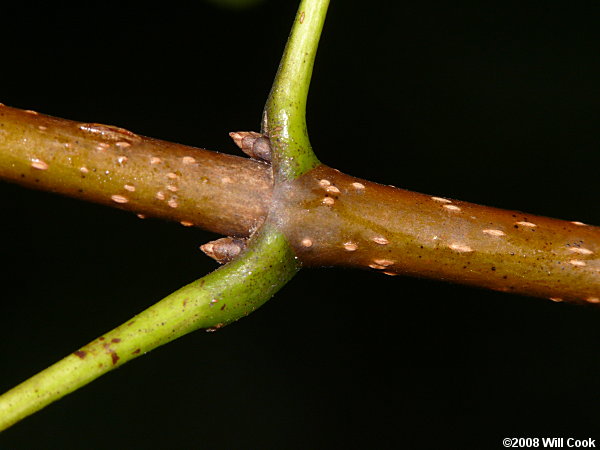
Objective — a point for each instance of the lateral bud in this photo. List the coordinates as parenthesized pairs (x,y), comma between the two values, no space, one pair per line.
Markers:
(225,249)
(253,144)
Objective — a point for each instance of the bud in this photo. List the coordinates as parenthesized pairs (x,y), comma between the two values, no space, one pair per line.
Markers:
(253,144)
(224,250)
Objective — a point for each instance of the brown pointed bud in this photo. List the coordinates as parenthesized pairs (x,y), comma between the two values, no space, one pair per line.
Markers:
(225,249)
(253,144)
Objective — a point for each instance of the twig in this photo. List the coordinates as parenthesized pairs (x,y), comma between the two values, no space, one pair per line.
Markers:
(335,219)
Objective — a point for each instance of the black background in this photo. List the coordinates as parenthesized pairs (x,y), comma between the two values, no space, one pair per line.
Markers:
(495,103)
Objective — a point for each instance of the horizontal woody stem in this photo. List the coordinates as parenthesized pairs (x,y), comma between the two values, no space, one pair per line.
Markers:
(112,166)
(330,219)
(346,221)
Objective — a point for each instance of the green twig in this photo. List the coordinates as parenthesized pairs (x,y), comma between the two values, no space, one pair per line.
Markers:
(225,295)
(284,119)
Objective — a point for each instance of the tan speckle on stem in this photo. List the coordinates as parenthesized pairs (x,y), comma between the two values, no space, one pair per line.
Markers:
(172,176)
(358,186)
(350,246)
(376,266)
(461,248)
(581,250)
(328,201)
(556,299)
(141,216)
(333,190)
(580,224)
(84,169)
(577,262)
(155,160)
(226,180)
(42,128)
(391,274)
(593,299)
(526,224)
(441,200)
(39,164)
(33,113)
(493,232)
(122,159)
(186,223)
(324,183)
(172,188)
(380,240)
(160,195)
(123,144)
(129,187)
(187,160)
(173,203)
(306,242)
(119,198)
(383,262)
(452,208)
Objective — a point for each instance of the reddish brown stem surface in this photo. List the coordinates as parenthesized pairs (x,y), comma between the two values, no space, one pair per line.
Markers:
(342,220)
(330,218)
(105,164)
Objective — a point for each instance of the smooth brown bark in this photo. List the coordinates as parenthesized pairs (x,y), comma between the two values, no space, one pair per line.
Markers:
(108,165)
(331,219)
(345,221)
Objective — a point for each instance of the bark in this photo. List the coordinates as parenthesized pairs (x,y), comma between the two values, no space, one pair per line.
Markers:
(345,221)
(112,166)
(330,218)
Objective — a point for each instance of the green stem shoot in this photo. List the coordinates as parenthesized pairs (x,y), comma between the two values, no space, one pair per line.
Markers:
(225,295)
(284,119)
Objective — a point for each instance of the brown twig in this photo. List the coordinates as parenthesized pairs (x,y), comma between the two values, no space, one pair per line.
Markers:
(335,220)
(346,221)
(108,165)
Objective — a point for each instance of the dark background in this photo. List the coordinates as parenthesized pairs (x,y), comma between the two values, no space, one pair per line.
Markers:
(494,103)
